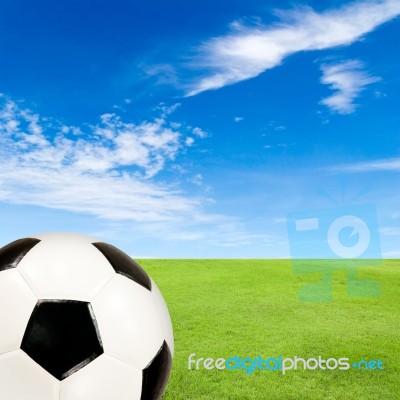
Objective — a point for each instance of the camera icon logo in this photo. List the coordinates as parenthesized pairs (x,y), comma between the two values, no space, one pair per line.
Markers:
(328,240)
(358,228)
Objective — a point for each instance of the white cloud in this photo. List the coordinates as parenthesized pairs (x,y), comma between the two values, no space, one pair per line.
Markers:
(189,141)
(276,127)
(388,164)
(163,73)
(109,171)
(238,119)
(230,235)
(348,80)
(272,126)
(167,109)
(197,179)
(105,172)
(248,51)
(225,233)
(391,254)
(389,231)
(199,132)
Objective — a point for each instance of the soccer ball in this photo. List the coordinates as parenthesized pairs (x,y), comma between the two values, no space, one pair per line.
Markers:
(80,320)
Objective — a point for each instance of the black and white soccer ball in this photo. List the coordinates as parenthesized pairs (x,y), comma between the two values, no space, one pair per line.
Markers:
(80,320)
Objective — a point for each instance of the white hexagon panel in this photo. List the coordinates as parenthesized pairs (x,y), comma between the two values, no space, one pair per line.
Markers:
(104,379)
(80,320)
(17,302)
(131,327)
(22,379)
(65,266)
(165,317)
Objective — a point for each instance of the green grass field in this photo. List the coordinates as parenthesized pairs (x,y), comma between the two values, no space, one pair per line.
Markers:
(224,308)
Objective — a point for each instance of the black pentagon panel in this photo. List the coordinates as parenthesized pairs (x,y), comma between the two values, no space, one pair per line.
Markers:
(12,254)
(124,265)
(156,374)
(62,336)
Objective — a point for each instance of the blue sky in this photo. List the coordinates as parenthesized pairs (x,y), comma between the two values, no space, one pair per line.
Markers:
(194,128)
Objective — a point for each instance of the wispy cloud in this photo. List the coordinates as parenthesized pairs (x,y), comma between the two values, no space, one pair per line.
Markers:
(248,51)
(388,164)
(225,233)
(275,126)
(348,80)
(390,231)
(391,254)
(199,132)
(105,172)
(110,171)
